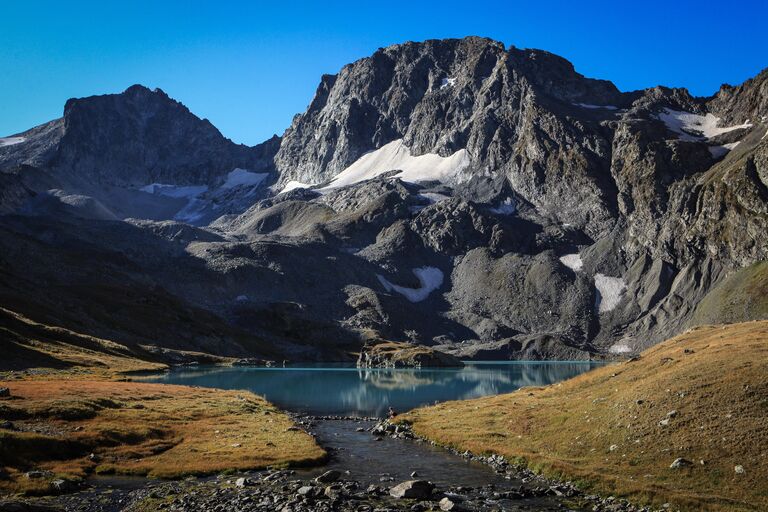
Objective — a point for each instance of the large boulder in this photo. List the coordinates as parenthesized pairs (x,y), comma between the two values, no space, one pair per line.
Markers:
(413,489)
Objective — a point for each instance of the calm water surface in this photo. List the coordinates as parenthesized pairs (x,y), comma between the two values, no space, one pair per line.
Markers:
(344,390)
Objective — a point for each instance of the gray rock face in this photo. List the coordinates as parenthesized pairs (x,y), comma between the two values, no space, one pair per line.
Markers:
(578,219)
(442,96)
(134,138)
(106,148)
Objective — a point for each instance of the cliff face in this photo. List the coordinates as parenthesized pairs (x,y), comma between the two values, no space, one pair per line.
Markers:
(459,193)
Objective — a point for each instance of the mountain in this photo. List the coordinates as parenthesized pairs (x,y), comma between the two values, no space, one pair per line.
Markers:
(135,154)
(489,201)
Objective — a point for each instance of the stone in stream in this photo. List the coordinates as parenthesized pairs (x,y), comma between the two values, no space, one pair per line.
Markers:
(413,489)
(334,491)
(450,503)
(328,477)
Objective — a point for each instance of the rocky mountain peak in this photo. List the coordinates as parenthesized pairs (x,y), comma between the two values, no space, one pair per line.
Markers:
(142,136)
(439,96)
(746,101)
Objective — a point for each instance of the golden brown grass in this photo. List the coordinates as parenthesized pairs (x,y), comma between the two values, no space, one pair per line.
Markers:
(603,428)
(399,351)
(29,344)
(143,429)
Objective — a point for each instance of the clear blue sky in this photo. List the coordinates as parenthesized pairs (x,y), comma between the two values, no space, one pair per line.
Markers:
(250,66)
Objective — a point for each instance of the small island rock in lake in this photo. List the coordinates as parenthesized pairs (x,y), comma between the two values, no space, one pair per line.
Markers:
(391,354)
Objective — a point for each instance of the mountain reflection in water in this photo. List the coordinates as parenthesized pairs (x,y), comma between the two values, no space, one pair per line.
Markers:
(334,389)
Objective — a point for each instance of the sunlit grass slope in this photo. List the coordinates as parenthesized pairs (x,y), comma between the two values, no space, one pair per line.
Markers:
(702,396)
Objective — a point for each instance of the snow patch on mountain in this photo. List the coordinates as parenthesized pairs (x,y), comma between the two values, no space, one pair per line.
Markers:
(609,292)
(397,156)
(694,127)
(242,177)
(506,207)
(718,151)
(292,185)
(430,279)
(10,141)
(621,347)
(572,261)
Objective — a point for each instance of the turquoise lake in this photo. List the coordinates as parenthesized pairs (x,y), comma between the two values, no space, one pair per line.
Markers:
(343,390)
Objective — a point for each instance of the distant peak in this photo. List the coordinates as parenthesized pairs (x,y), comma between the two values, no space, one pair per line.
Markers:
(141,90)
(137,89)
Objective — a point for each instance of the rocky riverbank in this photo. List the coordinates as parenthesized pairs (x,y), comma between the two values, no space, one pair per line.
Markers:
(334,488)
(281,490)
(534,485)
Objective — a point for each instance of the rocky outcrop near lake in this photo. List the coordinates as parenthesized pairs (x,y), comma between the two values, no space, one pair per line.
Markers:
(461,194)
(404,355)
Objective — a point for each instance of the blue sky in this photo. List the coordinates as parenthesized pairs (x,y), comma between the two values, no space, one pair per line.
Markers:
(250,66)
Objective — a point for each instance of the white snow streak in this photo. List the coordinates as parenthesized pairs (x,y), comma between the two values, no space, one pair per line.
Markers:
(609,292)
(572,261)
(239,177)
(430,278)
(292,185)
(620,347)
(694,127)
(10,141)
(447,82)
(397,156)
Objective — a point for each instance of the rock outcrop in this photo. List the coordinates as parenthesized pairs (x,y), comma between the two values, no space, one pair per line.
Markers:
(390,354)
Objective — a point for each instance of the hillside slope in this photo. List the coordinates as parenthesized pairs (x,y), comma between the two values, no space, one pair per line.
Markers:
(701,396)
